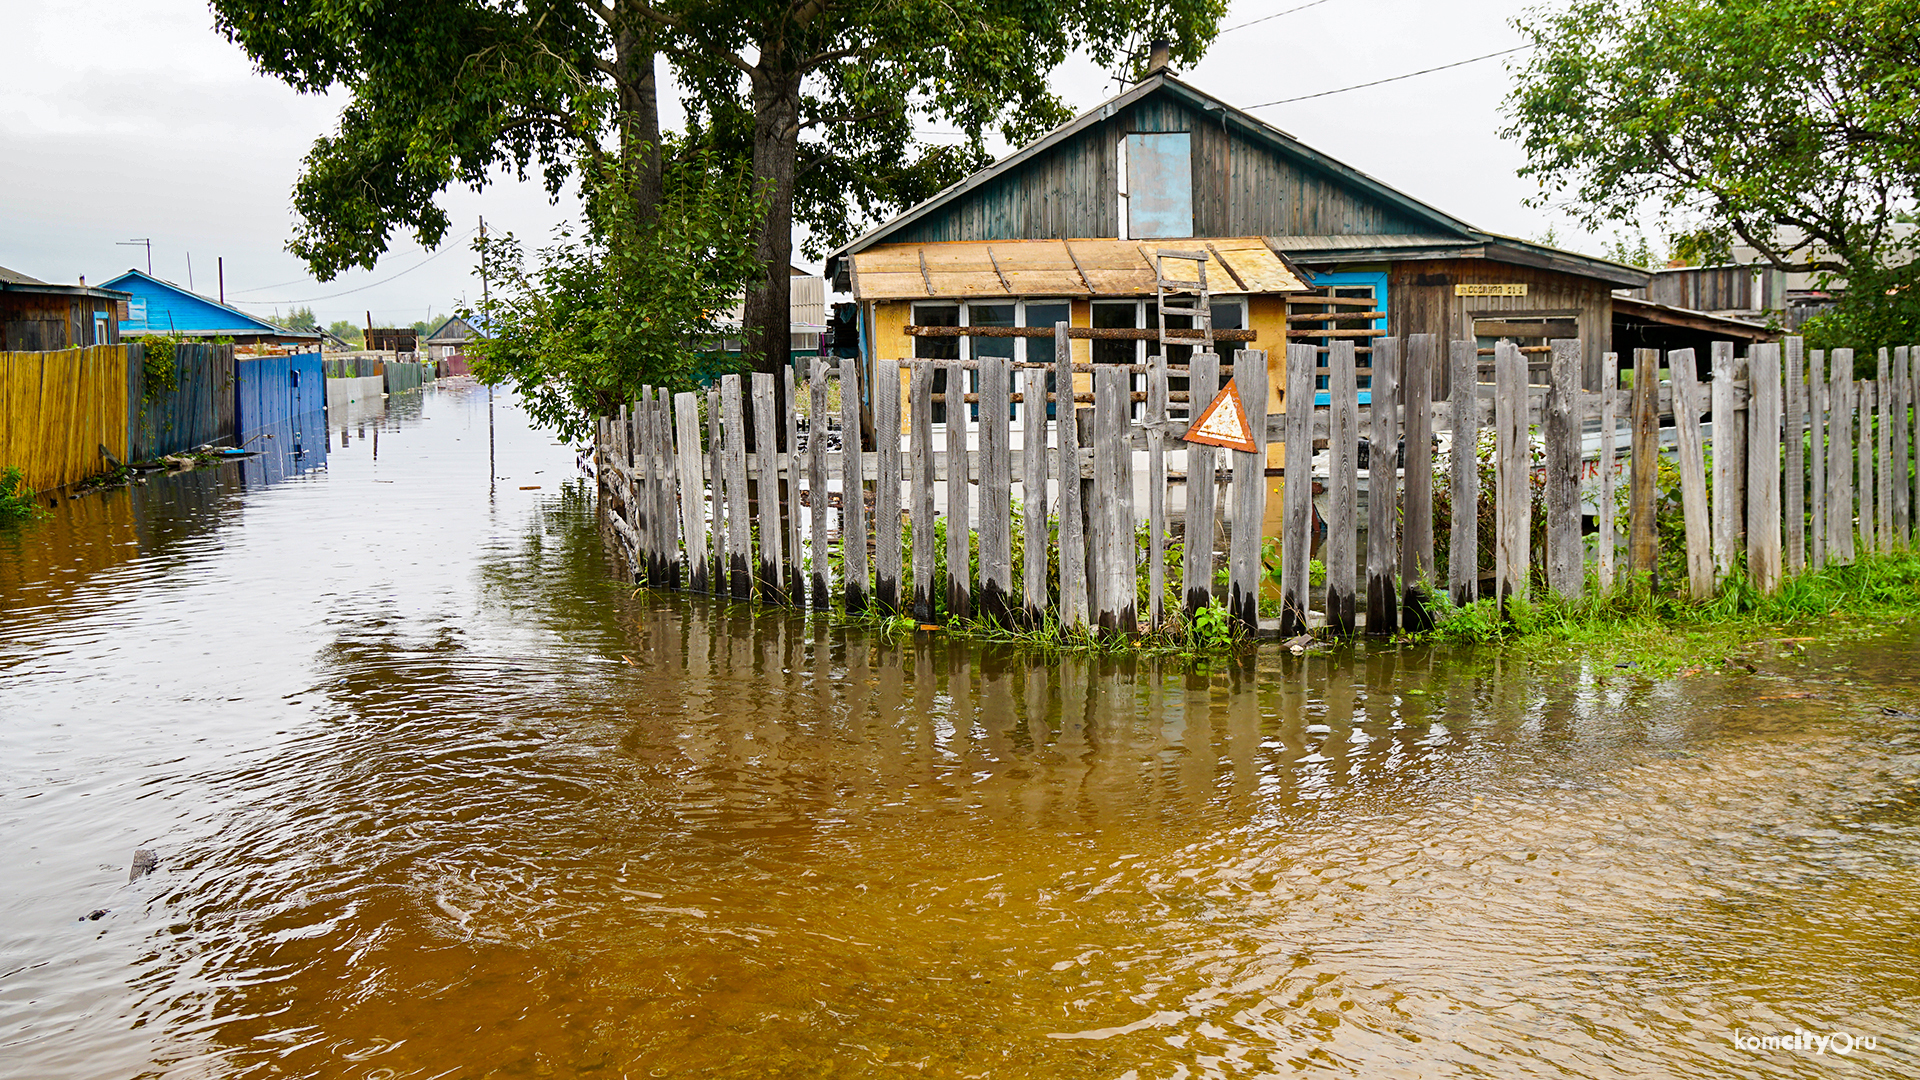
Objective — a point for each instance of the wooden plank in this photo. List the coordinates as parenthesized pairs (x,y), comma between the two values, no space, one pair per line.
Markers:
(1034,541)
(1090,511)
(959,495)
(1463,544)
(996,491)
(1416,538)
(1840,457)
(1566,572)
(1793,489)
(1343,487)
(1883,454)
(1910,429)
(1817,422)
(1249,493)
(1073,567)
(853,498)
(646,490)
(1156,427)
(1113,483)
(739,502)
(766,458)
(1383,614)
(669,486)
(920,453)
(1865,401)
(1108,385)
(1901,471)
(716,492)
(1726,506)
(1196,546)
(632,505)
(795,574)
(1296,541)
(1688,400)
(687,458)
(1643,538)
(1763,467)
(1513,501)
(819,574)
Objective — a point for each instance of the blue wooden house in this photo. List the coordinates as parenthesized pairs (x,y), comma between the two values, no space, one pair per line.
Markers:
(161,307)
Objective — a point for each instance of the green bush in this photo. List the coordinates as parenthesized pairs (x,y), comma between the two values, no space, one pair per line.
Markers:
(16,498)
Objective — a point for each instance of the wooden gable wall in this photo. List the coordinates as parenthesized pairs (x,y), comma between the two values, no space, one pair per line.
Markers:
(1241,187)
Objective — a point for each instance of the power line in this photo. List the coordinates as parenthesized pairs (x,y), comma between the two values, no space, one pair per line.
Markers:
(1266,18)
(1392,78)
(362,288)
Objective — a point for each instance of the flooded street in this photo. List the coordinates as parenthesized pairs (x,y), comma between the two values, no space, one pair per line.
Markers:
(433,797)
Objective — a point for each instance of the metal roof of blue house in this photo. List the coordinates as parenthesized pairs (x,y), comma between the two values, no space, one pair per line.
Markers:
(161,307)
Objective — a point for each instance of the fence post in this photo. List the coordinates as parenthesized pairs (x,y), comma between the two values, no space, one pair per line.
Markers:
(1643,540)
(817,483)
(1463,546)
(996,490)
(1249,492)
(739,503)
(1694,506)
(1793,488)
(1902,481)
(1196,550)
(1884,397)
(1156,431)
(716,466)
(1113,527)
(1343,485)
(920,442)
(1726,509)
(669,484)
(1763,466)
(853,492)
(1513,503)
(1073,558)
(1609,460)
(1296,542)
(1565,568)
(886,485)
(795,571)
(1033,486)
(766,461)
(1866,397)
(687,458)
(1383,452)
(1840,456)
(1416,536)
(959,519)
(1817,456)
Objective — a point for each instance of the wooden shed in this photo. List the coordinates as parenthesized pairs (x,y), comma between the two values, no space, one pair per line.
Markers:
(36,316)
(1164,165)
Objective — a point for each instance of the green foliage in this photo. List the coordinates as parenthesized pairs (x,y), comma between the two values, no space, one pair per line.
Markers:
(1877,309)
(300,318)
(1633,251)
(1787,125)
(16,498)
(347,332)
(157,364)
(631,302)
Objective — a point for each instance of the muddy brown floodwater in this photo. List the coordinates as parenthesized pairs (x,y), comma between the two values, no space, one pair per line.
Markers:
(432,798)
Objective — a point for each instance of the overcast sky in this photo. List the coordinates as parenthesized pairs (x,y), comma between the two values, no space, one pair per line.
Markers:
(133,119)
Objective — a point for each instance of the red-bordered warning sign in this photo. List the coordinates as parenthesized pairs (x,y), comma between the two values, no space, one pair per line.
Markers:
(1224,423)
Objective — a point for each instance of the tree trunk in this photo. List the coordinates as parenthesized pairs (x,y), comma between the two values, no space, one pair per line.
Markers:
(776,140)
(639,103)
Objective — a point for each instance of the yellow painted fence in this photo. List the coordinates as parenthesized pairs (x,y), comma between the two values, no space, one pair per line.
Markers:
(57,409)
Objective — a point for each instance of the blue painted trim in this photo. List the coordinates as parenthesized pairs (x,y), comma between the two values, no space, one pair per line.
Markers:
(1321,398)
(1339,279)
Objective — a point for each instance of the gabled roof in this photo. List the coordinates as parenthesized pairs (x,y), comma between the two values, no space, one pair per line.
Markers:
(15,277)
(190,313)
(16,282)
(1438,231)
(457,328)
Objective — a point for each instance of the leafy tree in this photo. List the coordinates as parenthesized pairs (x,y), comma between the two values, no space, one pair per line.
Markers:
(823,97)
(347,332)
(300,318)
(1791,126)
(623,303)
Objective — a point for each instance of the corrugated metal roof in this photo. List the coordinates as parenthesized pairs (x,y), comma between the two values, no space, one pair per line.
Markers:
(1362,242)
(15,277)
(1238,264)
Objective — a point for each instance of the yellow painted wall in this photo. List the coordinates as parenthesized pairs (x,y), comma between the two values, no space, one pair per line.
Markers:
(57,409)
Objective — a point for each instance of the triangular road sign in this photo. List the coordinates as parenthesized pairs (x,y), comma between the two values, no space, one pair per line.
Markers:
(1224,423)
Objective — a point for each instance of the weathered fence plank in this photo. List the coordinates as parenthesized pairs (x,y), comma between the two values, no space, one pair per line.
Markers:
(1726,510)
(716,492)
(1196,546)
(766,459)
(1695,508)
(1249,491)
(1820,415)
(1865,395)
(1463,545)
(853,492)
(996,490)
(1607,538)
(887,577)
(1113,529)
(692,513)
(1513,503)
(959,495)
(1884,398)
(920,452)
(1565,569)
(1840,454)
(739,500)
(1763,467)
(1902,481)
(1033,489)
(1343,487)
(1383,613)
(795,573)
(1793,489)
(669,485)
(1416,536)
(1296,543)
(1156,427)
(1643,540)
(818,571)
(1073,558)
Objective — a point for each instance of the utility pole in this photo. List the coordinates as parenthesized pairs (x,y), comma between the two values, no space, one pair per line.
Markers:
(145,242)
(221,262)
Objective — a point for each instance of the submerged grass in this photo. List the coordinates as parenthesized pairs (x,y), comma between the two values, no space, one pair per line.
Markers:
(1669,634)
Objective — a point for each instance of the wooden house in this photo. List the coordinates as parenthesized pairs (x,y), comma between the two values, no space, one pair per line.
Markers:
(38,317)
(1065,228)
(161,307)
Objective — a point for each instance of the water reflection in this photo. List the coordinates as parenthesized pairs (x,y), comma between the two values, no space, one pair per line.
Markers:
(498,815)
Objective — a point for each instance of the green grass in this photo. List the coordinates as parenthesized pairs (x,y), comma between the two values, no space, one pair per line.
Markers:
(16,498)
(1668,634)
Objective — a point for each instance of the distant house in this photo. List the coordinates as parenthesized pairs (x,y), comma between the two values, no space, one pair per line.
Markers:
(449,341)
(806,316)
(161,307)
(38,317)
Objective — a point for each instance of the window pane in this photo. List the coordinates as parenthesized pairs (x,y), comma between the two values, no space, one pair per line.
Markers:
(1110,315)
(991,315)
(936,348)
(1040,350)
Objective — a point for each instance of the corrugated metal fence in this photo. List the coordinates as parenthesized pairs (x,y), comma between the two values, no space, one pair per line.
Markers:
(198,410)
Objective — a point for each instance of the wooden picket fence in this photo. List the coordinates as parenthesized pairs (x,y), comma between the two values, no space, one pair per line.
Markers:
(1801,466)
